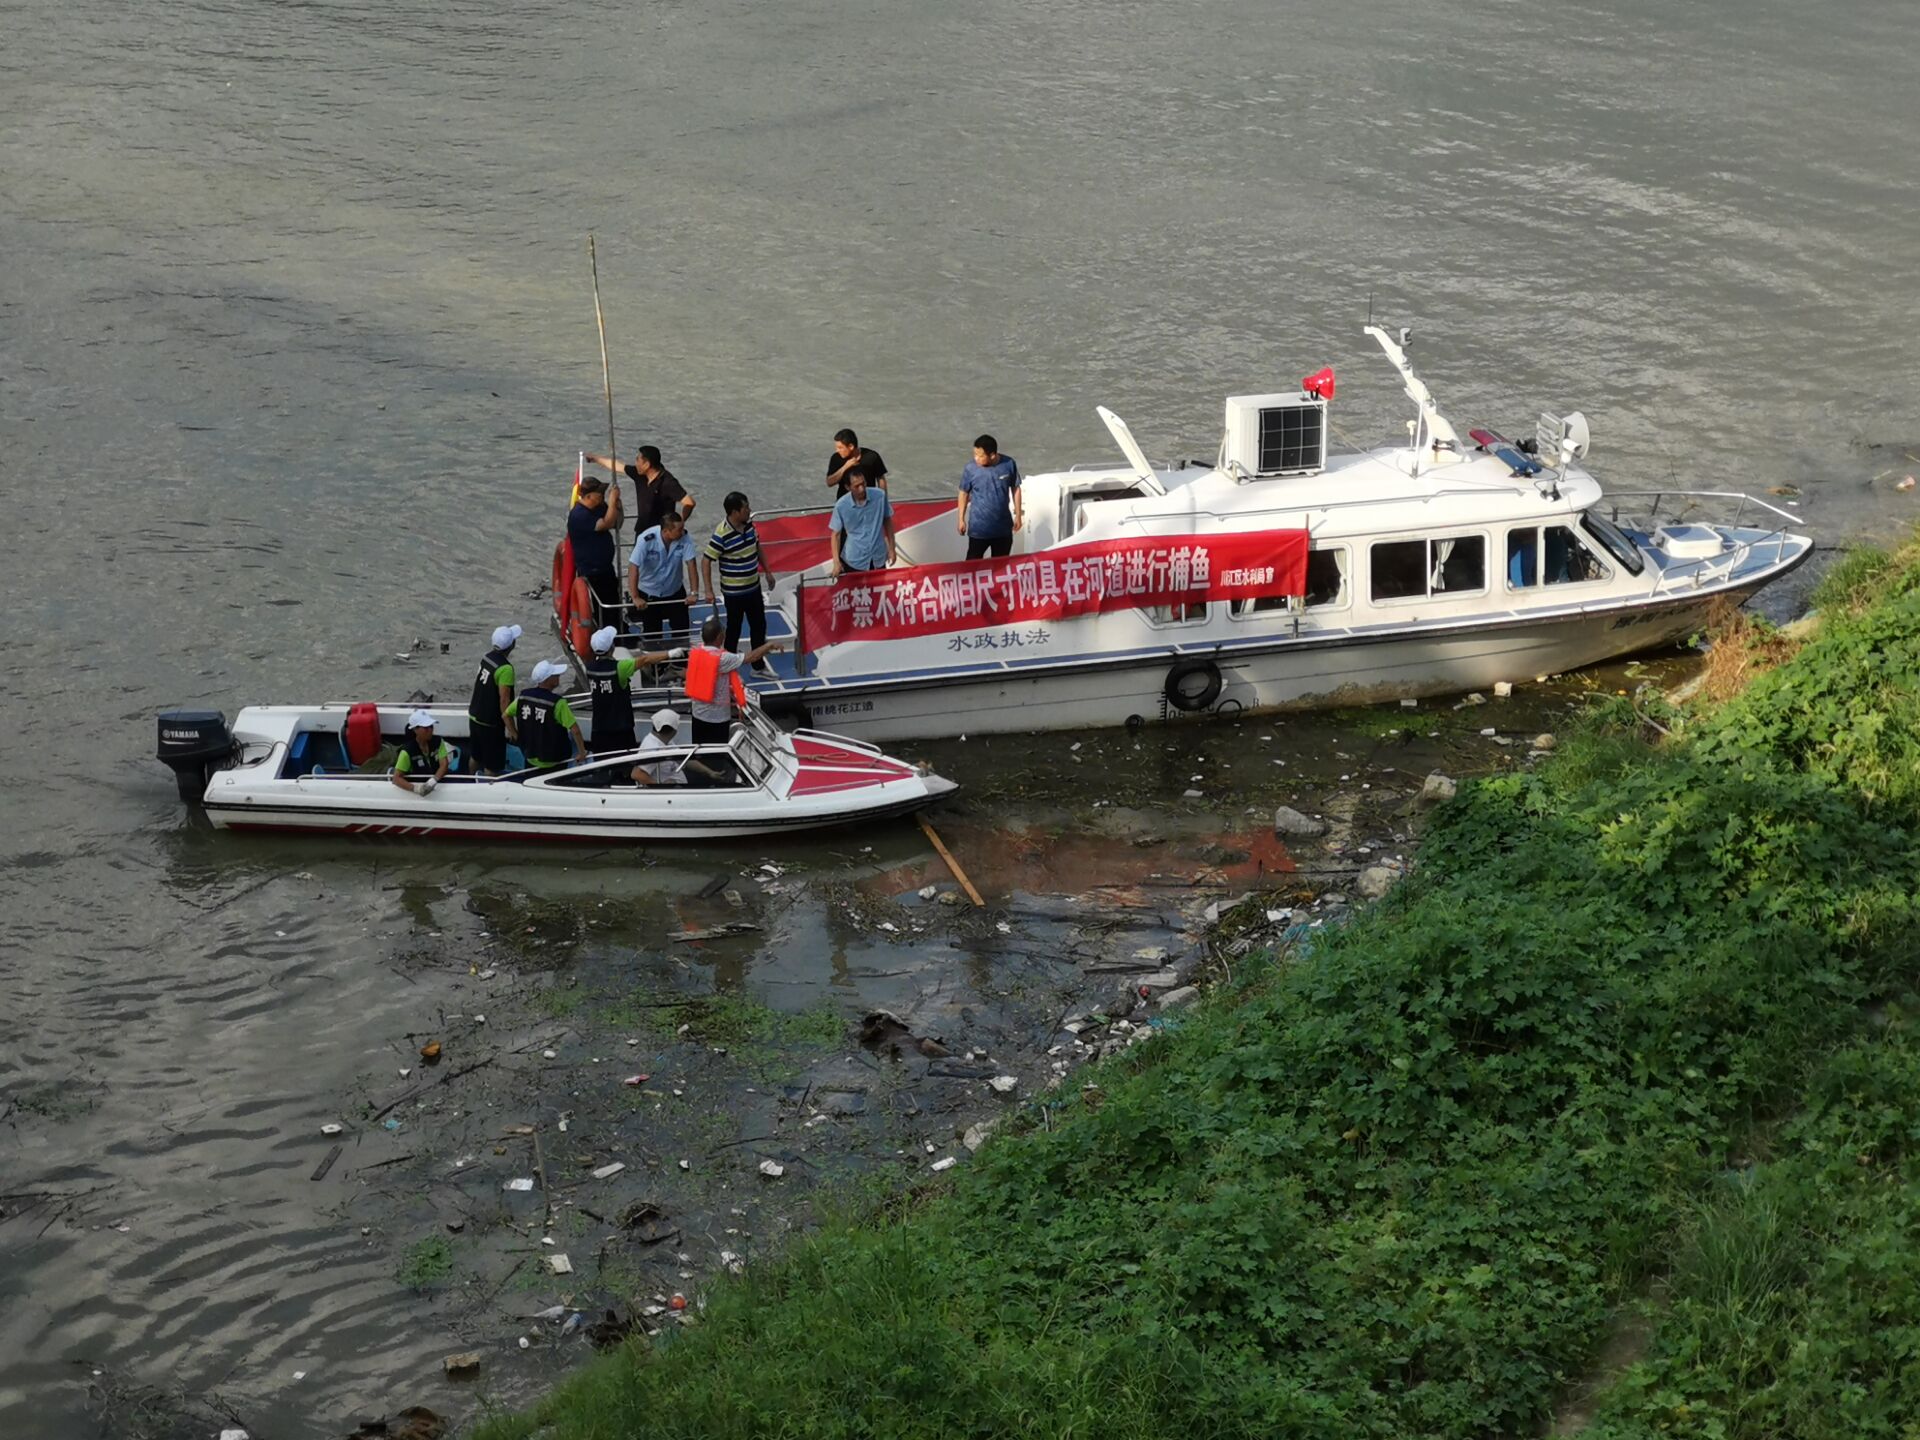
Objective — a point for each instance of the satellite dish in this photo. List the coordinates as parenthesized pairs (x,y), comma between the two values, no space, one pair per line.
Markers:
(1575,437)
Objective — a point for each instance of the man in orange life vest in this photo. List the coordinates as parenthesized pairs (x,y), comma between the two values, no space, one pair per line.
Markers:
(713,681)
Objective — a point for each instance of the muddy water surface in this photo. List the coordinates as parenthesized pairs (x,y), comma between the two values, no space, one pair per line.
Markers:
(296,340)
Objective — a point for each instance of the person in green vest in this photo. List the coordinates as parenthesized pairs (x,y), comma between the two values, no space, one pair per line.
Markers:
(424,757)
(490,711)
(610,683)
(549,735)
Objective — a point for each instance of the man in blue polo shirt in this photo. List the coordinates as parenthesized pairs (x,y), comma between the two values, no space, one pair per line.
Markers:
(659,574)
(861,529)
(990,508)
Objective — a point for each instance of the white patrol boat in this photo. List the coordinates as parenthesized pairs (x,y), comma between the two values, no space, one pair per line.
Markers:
(1279,577)
(317,768)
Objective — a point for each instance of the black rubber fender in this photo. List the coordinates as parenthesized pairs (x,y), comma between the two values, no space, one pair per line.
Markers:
(1182,698)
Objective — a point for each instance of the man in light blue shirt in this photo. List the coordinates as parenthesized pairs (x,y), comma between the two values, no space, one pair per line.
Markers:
(861,530)
(990,508)
(659,572)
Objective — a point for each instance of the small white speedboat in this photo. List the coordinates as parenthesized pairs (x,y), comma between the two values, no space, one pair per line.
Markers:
(317,769)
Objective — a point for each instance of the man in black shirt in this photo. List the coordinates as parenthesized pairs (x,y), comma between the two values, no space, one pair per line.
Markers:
(656,490)
(847,455)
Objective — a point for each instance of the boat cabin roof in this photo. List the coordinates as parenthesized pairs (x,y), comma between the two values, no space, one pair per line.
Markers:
(1356,495)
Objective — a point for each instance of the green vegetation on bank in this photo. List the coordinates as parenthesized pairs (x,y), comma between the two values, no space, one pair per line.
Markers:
(1794,1307)
(1618,1024)
(426,1263)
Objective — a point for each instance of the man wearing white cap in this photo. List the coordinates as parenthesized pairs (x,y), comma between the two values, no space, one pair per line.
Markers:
(549,734)
(610,682)
(663,725)
(422,753)
(664,735)
(490,721)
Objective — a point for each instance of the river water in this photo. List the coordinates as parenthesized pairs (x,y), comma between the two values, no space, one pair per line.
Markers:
(297,345)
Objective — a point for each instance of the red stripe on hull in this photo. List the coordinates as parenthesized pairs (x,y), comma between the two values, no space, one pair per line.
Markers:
(377,832)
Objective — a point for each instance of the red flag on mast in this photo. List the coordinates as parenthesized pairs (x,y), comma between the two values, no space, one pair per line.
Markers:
(1319,383)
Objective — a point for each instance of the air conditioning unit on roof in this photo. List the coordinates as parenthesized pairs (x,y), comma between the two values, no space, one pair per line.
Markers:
(1276,434)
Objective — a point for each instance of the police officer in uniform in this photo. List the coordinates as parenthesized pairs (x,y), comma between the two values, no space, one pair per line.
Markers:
(490,722)
(549,734)
(423,756)
(610,682)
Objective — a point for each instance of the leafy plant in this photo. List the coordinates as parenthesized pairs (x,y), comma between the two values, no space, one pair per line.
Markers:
(426,1263)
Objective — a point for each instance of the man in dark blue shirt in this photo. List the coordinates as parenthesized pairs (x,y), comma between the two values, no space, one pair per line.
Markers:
(591,526)
(990,507)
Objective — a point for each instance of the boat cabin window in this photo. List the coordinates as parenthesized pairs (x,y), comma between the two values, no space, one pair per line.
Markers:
(1326,585)
(1176,614)
(1415,569)
(1550,554)
(1614,540)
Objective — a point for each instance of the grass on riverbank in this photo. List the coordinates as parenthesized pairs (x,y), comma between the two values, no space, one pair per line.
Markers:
(1401,1187)
(1794,1306)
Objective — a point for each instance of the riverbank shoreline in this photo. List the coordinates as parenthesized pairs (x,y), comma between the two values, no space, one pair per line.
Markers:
(1272,1212)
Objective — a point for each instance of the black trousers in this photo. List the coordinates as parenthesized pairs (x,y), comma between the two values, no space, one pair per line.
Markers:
(487,748)
(712,732)
(746,609)
(666,615)
(606,592)
(978,545)
(611,744)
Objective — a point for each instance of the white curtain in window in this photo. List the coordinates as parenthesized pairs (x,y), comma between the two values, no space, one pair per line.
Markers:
(1442,549)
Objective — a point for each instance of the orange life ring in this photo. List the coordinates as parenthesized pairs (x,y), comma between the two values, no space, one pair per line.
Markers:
(580,619)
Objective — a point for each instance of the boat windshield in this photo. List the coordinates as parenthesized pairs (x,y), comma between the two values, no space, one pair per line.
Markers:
(750,752)
(1615,540)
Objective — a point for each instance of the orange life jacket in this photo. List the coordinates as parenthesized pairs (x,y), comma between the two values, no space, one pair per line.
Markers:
(703,677)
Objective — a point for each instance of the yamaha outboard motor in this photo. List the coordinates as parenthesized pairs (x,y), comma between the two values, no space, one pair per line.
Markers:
(195,743)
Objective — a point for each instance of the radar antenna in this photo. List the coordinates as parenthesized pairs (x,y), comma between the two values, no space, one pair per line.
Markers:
(1432,433)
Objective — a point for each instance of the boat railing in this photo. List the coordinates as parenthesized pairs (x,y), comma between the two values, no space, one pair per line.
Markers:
(1658,498)
(843,741)
(1298,511)
(1710,508)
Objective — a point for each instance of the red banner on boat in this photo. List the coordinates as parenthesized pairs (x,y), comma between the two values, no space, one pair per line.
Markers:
(1056,584)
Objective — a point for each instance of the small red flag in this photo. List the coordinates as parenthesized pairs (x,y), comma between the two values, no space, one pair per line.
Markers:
(1319,383)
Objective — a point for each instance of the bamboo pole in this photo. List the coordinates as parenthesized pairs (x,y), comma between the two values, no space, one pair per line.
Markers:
(606,372)
(952,864)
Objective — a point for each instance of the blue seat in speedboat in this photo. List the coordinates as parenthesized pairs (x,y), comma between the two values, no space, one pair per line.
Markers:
(314,752)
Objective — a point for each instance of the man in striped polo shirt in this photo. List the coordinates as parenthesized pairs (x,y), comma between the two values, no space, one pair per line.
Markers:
(736,545)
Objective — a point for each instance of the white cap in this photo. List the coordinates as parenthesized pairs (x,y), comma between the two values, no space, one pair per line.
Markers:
(665,720)
(420,720)
(603,639)
(505,636)
(547,669)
